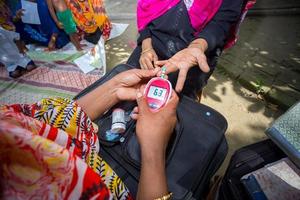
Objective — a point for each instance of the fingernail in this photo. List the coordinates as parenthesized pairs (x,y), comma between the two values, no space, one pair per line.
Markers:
(139,95)
(131,114)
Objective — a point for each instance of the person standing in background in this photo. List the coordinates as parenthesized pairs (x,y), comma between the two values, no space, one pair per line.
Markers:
(64,19)
(91,18)
(46,34)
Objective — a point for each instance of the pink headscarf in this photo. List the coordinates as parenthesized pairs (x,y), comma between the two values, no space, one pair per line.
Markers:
(200,11)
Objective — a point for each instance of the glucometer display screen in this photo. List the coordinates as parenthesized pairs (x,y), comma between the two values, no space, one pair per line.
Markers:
(157,93)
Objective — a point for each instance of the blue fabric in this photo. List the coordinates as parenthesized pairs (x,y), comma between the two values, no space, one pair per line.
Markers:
(40,34)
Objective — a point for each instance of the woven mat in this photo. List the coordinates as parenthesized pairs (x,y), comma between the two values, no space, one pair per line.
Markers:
(48,80)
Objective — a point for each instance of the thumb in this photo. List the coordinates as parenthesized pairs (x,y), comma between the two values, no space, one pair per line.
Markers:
(142,103)
(155,59)
(161,62)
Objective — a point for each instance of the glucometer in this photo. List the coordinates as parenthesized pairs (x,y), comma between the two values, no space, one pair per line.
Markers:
(158,91)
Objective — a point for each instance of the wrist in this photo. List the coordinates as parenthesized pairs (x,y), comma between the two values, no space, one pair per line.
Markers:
(152,155)
(114,86)
(147,44)
(200,44)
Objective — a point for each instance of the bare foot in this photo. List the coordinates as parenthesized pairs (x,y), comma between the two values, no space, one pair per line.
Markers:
(81,46)
(79,49)
(75,41)
(51,44)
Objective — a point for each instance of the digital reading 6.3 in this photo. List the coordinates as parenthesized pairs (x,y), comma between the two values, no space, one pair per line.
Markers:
(157,93)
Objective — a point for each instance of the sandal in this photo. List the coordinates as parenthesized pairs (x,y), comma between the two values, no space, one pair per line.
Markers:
(30,66)
(17,73)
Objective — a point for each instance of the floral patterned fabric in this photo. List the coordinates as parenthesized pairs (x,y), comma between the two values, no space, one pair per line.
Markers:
(90,15)
(49,150)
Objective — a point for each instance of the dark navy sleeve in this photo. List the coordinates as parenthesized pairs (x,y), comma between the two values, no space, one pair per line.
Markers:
(145,33)
(217,30)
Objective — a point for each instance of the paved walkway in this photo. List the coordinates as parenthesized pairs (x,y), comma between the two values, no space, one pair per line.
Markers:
(266,58)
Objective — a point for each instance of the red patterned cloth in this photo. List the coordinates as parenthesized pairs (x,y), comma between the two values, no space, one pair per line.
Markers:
(49,150)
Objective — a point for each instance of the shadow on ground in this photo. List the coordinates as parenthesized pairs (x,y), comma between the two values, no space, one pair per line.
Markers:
(266,59)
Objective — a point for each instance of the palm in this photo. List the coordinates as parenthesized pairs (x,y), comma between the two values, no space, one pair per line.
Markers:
(185,59)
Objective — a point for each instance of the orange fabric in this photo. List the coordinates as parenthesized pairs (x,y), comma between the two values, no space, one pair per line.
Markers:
(90,15)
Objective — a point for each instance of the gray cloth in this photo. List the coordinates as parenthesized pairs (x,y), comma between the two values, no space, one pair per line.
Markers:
(9,53)
(285,132)
(279,180)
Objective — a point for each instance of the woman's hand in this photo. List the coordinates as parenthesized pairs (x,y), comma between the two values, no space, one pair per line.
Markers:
(148,55)
(185,59)
(154,129)
(128,82)
(60,25)
(19,15)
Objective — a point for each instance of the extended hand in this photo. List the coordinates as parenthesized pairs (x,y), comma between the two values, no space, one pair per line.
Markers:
(183,61)
(60,25)
(148,55)
(19,14)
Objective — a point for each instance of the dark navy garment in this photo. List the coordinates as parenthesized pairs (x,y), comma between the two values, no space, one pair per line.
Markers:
(173,32)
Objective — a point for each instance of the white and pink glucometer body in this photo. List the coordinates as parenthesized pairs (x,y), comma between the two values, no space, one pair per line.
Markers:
(158,92)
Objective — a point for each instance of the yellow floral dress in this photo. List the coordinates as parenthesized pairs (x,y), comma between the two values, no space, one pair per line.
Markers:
(90,15)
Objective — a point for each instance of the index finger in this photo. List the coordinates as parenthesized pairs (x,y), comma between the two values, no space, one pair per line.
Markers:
(146,73)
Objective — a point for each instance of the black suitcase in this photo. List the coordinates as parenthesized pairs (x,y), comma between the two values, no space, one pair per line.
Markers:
(195,152)
(244,161)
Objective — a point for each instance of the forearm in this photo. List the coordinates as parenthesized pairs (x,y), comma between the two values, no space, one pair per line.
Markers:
(52,11)
(147,44)
(99,100)
(53,37)
(153,182)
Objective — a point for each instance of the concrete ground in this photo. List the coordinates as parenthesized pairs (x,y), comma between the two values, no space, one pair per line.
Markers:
(266,59)
(247,113)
